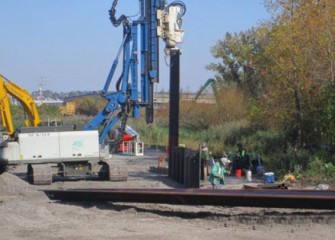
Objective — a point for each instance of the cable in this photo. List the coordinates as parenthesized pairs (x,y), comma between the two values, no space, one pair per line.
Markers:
(112,11)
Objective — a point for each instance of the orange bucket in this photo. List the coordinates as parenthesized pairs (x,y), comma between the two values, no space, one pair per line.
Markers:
(238,173)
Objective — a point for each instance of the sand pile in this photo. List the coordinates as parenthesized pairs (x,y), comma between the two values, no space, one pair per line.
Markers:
(11,185)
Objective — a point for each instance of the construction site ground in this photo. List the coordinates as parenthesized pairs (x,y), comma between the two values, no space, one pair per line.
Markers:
(26,212)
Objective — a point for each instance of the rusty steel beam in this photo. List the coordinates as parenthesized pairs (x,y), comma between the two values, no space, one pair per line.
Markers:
(247,198)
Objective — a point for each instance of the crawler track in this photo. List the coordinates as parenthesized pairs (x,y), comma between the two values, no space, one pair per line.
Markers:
(247,198)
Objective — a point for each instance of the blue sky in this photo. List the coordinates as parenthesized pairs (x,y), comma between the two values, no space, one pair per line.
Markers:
(71,44)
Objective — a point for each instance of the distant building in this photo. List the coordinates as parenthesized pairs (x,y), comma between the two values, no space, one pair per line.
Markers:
(49,101)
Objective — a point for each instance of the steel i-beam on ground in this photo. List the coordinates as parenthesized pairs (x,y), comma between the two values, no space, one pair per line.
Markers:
(247,198)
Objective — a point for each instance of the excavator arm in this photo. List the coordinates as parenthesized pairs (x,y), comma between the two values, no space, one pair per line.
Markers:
(6,118)
(211,82)
(26,100)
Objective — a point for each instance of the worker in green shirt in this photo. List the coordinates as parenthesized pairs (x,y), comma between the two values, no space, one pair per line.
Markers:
(217,174)
(242,160)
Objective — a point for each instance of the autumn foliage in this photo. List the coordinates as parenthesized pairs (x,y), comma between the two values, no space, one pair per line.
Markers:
(284,71)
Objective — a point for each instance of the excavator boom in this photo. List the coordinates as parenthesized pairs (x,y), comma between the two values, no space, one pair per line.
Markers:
(26,100)
(211,82)
(6,118)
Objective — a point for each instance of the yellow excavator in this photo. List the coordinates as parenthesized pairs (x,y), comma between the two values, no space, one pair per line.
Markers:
(50,152)
(9,88)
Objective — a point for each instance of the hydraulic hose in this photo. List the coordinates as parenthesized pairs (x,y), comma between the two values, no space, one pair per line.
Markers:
(116,21)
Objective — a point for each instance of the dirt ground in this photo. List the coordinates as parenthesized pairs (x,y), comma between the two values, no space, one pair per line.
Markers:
(26,213)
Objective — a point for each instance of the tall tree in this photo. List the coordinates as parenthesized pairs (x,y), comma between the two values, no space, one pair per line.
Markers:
(302,62)
(286,69)
(239,55)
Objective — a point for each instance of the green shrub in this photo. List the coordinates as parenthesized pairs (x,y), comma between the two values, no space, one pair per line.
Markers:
(289,161)
(320,170)
(152,134)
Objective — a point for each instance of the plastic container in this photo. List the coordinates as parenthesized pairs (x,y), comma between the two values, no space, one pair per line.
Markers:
(269,177)
(238,173)
(249,179)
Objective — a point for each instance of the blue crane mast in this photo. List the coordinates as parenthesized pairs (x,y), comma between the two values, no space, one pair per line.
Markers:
(157,19)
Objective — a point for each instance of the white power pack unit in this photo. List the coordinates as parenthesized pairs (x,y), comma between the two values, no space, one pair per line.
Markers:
(79,144)
(39,145)
(58,145)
